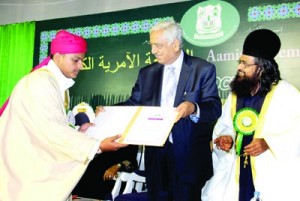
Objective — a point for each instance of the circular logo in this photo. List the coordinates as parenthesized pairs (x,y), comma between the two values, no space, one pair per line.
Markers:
(210,23)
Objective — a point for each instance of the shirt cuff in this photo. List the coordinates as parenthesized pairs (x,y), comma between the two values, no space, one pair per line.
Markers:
(195,117)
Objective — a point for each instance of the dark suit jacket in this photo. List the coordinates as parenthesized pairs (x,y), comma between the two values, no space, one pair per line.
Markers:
(191,141)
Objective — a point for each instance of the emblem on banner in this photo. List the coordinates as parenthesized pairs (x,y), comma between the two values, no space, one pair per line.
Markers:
(210,23)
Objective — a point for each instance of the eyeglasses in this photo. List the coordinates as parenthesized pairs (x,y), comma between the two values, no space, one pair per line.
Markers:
(156,45)
(245,64)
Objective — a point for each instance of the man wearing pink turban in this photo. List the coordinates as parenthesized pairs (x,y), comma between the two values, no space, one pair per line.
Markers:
(41,156)
(63,43)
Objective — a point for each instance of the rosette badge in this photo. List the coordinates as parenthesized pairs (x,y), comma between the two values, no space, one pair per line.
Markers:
(245,123)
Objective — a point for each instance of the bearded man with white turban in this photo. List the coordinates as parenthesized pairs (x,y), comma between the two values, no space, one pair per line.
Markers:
(41,156)
(257,138)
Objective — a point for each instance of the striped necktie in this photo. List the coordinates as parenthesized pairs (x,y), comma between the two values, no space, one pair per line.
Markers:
(170,86)
(170,90)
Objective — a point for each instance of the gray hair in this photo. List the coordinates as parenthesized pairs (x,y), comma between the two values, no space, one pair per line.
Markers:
(171,30)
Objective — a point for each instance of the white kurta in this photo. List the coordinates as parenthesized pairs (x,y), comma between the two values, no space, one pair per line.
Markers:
(276,172)
(42,158)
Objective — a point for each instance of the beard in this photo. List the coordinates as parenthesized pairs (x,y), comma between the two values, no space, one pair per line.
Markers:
(243,86)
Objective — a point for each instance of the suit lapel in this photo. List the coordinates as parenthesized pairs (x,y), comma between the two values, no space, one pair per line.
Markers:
(158,84)
(183,78)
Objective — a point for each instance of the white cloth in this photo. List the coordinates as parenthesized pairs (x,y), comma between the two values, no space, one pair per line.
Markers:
(41,157)
(276,172)
(63,82)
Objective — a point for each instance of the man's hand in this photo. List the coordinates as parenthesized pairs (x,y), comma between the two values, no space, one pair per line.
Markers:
(184,109)
(110,144)
(98,110)
(224,142)
(83,128)
(111,172)
(256,147)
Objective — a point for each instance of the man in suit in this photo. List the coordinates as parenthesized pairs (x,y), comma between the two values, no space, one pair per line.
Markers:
(183,165)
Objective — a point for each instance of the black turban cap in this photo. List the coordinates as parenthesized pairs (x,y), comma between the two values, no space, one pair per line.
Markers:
(262,43)
(81,118)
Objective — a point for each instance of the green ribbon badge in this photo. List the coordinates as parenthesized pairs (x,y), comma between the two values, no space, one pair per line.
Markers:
(244,122)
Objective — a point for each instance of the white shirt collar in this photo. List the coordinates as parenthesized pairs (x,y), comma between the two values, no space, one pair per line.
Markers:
(178,62)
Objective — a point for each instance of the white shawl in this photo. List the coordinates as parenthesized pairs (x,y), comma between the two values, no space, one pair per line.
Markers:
(276,171)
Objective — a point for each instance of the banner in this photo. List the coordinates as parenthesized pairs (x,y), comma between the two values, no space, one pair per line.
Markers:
(213,30)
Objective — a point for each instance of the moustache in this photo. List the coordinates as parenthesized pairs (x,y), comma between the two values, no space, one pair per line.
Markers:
(240,73)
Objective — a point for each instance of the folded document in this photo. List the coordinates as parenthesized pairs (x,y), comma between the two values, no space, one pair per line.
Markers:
(140,125)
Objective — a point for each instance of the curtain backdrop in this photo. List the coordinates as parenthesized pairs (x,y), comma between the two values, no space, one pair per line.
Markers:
(16,55)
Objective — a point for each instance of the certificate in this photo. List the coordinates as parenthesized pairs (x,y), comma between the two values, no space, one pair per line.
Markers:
(139,125)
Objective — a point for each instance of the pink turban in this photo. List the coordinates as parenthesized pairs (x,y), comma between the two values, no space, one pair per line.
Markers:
(68,43)
(63,43)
